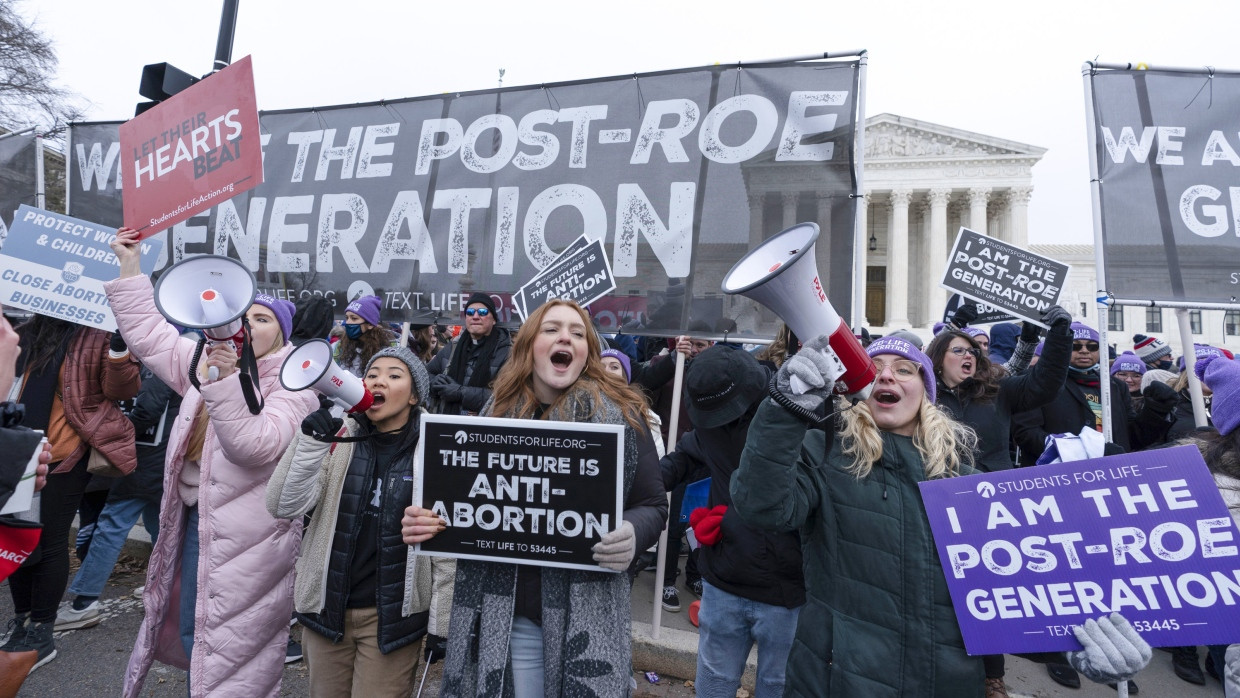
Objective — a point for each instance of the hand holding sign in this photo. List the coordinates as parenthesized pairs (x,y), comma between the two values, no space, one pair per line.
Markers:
(420,525)
(1113,651)
(616,549)
(128,251)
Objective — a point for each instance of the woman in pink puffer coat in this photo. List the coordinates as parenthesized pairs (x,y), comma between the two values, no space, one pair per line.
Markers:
(215,483)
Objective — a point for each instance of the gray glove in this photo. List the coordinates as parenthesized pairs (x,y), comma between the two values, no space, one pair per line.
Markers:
(615,550)
(808,377)
(1056,315)
(1113,651)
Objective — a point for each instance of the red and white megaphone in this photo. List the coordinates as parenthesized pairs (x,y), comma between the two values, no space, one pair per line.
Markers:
(209,293)
(782,275)
(311,366)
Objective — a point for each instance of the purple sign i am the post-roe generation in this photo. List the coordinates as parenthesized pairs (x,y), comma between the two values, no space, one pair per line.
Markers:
(1029,553)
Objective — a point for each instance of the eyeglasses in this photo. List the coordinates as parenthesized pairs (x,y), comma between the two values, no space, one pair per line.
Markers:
(961,351)
(1084,346)
(902,370)
(480,312)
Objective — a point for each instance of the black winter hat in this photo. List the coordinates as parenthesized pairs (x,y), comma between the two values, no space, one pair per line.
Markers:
(485,299)
(722,384)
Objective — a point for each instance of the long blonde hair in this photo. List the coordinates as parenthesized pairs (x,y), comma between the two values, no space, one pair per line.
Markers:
(944,444)
(513,390)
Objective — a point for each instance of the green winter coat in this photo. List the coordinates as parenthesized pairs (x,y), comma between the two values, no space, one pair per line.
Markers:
(878,620)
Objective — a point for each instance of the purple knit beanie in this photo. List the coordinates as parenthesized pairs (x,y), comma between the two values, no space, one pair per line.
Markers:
(1222,375)
(1082,331)
(975,332)
(1201,351)
(905,349)
(367,308)
(282,309)
(624,362)
(1128,361)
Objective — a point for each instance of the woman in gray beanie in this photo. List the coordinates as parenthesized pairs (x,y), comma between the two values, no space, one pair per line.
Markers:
(364,599)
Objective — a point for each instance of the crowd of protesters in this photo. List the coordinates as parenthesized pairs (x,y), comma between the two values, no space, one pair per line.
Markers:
(811,542)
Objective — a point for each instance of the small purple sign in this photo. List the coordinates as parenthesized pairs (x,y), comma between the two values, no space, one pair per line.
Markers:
(1032,552)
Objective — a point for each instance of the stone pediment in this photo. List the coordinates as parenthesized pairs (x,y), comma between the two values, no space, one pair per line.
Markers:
(888,136)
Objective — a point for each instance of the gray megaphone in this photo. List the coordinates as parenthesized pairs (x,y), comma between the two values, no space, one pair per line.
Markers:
(782,275)
(210,293)
(311,366)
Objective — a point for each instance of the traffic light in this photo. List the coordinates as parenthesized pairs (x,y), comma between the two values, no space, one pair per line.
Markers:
(159,82)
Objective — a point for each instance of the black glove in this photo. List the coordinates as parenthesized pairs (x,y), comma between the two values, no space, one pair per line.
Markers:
(964,315)
(117,343)
(320,424)
(1029,332)
(1056,318)
(1160,398)
(1112,449)
(436,648)
(438,383)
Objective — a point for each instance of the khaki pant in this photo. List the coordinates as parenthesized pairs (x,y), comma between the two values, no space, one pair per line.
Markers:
(354,666)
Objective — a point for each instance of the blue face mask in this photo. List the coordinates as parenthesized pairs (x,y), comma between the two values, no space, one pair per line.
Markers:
(352,331)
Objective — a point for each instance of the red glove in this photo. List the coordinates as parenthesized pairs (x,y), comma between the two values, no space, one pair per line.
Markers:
(706,522)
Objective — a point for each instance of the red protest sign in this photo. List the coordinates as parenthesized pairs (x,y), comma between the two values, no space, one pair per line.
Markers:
(191,152)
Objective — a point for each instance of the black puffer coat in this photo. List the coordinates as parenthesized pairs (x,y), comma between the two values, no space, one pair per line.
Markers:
(992,420)
(472,398)
(395,630)
(155,402)
(749,562)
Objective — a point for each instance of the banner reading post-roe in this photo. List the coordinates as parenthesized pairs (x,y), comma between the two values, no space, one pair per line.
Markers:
(1028,554)
(193,151)
(423,201)
(1003,276)
(518,490)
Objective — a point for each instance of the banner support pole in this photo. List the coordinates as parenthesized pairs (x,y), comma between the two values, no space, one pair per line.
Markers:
(1190,361)
(1103,297)
(656,617)
(857,311)
(18,133)
(40,188)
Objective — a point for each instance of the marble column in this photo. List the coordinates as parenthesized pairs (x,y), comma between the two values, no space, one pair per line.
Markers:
(936,259)
(790,208)
(978,196)
(825,204)
(756,232)
(1018,215)
(863,253)
(897,260)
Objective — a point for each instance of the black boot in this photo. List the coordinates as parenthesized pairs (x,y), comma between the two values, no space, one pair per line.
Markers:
(1184,661)
(36,638)
(1064,675)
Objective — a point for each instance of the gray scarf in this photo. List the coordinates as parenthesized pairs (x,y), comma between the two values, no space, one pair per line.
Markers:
(586,626)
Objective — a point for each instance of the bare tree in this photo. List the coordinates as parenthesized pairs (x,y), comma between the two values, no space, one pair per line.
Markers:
(29,94)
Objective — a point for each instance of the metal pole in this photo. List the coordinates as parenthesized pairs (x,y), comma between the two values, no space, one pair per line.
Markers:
(17,133)
(656,618)
(1095,190)
(40,188)
(1190,361)
(1200,70)
(224,44)
(857,311)
(1188,305)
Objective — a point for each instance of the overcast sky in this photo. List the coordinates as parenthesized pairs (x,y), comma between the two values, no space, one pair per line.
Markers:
(1009,70)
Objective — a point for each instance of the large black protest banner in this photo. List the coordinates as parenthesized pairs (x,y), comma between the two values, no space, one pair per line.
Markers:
(1168,152)
(18,176)
(519,490)
(1003,275)
(426,200)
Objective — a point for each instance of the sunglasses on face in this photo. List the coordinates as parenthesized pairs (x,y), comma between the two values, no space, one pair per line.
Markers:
(480,312)
(902,370)
(961,351)
(1084,346)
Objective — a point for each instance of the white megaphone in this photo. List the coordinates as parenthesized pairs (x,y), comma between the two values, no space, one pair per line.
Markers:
(781,274)
(311,366)
(209,293)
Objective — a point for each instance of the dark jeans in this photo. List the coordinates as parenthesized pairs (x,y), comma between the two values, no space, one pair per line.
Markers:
(38,584)
(676,529)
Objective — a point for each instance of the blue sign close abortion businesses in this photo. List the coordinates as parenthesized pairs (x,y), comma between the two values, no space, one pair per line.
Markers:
(55,265)
(1030,553)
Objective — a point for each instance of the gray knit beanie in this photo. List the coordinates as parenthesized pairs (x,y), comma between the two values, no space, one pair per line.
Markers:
(417,370)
